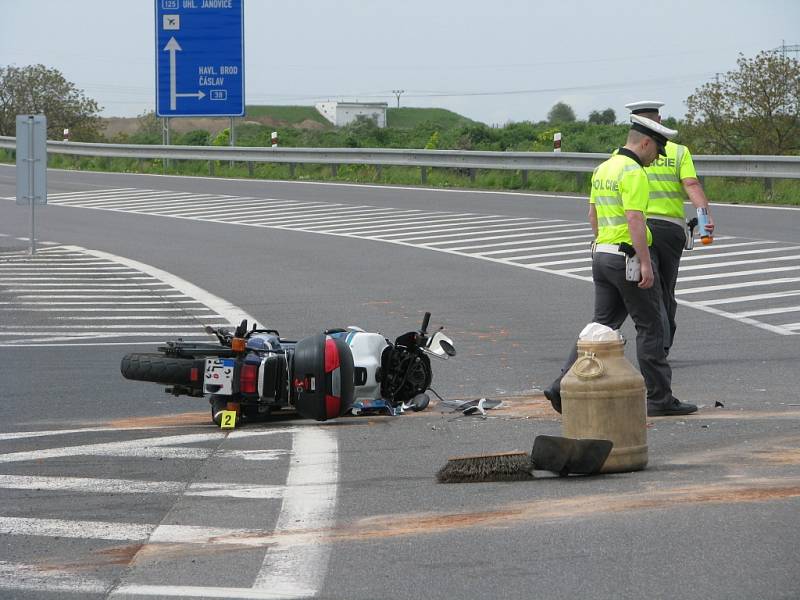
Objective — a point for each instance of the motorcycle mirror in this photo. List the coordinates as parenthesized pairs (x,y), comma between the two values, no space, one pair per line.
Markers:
(209,329)
(448,348)
(440,346)
(241,330)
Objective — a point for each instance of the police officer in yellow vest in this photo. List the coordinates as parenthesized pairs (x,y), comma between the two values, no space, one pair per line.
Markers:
(672,179)
(617,205)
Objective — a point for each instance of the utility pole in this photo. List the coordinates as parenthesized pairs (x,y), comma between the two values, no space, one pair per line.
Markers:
(398,93)
(783,48)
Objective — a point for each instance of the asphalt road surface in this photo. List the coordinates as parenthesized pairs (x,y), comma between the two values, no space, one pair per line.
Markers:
(112,488)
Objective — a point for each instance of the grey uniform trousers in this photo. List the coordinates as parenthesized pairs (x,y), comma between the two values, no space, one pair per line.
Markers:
(666,251)
(615,299)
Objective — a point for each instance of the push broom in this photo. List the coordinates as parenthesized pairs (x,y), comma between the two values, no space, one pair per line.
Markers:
(560,455)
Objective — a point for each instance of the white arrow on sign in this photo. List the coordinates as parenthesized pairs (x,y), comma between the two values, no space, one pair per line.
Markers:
(198,95)
(172,47)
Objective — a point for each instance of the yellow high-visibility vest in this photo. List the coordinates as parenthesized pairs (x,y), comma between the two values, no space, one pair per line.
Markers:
(619,184)
(664,176)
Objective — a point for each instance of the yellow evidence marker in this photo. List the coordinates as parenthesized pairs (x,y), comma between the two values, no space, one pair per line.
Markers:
(228,419)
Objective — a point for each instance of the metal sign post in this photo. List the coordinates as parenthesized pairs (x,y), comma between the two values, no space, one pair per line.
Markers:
(32,165)
(199,58)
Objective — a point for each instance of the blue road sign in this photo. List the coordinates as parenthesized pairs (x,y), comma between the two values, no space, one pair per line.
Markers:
(199,58)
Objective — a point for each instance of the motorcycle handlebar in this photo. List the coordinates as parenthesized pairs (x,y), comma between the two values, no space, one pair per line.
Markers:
(425,320)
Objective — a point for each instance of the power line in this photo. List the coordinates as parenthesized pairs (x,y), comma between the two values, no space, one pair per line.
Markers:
(783,48)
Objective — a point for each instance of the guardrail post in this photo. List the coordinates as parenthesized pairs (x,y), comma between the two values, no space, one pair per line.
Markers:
(423,172)
(768,188)
(250,168)
(165,135)
(579,180)
(292,168)
(524,174)
(379,172)
(211,168)
(140,165)
(232,137)
(335,170)
(472,175)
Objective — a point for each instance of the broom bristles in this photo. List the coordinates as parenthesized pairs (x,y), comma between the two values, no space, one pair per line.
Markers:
(504,466)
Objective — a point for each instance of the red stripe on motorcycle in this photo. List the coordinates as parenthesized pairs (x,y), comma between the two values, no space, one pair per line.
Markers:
(331,355)
(333,405)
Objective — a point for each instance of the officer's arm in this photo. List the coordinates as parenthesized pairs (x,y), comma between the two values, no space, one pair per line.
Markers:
(694,191)
(638,230)
(593,219)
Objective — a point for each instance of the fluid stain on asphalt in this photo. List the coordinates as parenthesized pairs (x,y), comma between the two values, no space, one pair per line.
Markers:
(180,419)
(397,526)
(569,508)
(774,451)
(785,456)
(117,555)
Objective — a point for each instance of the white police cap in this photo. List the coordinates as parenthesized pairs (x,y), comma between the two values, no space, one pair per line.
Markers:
(644,106)
(654,130)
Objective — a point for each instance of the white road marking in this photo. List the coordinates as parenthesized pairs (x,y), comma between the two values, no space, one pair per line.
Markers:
(95,530)
(737,263)
(309,506)
(418,225)
(768,311)
(274,454)
(464,232)
(779,329)
(185,591)
(516,235)
(71,307)
(279,221)
(23,435)
(145,298)
(457,233)
(584,248)
(322,215)
(37,277)
(117,448)
(153,534)
(232,313)
(689,256)
(738,273)
(749,298)
(89,328)
(201,319)
(149,447)
(19,576)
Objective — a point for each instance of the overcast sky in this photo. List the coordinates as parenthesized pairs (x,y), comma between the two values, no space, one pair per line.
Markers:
(493,61)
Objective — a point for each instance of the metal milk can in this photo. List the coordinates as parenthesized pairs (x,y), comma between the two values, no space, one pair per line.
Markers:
(604,397)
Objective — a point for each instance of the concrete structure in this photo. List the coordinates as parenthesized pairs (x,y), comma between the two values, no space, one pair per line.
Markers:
(344,113)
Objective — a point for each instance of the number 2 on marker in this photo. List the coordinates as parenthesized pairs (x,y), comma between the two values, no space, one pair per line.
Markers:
(228,419)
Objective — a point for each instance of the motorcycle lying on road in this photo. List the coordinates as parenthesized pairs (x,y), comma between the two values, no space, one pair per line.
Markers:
(257,373)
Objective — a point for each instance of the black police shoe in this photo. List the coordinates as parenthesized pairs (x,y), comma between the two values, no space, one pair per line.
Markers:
(555,399)
(674,408)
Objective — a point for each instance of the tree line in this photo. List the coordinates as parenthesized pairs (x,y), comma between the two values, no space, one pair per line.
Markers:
(753,109)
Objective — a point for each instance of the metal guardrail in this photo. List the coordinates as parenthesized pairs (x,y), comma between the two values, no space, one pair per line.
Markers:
(784,167)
